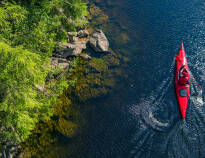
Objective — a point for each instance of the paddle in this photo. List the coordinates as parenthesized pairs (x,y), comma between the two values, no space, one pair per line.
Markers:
(193,79)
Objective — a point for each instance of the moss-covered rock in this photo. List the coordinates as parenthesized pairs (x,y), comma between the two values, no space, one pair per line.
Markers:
(98,64)
(66,127)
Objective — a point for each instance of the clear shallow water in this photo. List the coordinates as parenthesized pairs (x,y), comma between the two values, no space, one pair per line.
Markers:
(143,120)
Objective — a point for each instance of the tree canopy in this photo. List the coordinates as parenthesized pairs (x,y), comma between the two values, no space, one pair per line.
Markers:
(29,32)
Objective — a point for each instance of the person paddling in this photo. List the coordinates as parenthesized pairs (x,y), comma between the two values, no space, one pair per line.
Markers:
(183,76)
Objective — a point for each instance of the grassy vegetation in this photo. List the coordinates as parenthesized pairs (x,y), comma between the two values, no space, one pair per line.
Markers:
(29,32)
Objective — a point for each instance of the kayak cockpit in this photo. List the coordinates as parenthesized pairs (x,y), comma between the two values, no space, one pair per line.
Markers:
(183,92)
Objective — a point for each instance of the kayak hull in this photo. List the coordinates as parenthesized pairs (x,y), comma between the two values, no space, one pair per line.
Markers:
(182,91)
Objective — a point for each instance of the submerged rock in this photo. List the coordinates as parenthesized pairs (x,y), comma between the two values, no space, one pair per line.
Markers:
(99,42)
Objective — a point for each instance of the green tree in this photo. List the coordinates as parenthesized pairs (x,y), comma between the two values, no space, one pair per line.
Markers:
(29,32)
(20,71)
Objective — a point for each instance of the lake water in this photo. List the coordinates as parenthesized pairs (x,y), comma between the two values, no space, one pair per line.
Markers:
(142,119)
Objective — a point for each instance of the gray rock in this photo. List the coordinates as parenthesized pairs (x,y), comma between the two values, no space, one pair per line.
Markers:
(99,42)
(55,60)
(10,154)
(76,52)
(67,52)
(3,147)
(81,44)
(59,62)
(74,36)
(3,151)
(8,150)
(4,154)
(72,49)
(13,149)
(72,33)
(83,33)
(63,65)
(72,39)
(85,56)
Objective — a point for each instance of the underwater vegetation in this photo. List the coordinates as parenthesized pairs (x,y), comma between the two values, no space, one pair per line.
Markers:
(88,80)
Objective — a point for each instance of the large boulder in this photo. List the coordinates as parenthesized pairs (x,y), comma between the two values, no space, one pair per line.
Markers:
(72,49)
(99,42)
(77,42)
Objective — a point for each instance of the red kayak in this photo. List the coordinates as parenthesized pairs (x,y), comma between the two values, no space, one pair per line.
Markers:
(182,90)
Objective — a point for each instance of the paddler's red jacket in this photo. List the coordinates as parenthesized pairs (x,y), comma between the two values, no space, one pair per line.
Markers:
(183,79)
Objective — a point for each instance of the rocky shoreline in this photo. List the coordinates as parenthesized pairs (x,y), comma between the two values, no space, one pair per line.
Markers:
(77,45)
(95,76)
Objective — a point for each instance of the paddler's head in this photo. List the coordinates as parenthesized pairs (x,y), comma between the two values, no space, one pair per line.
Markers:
(185,74)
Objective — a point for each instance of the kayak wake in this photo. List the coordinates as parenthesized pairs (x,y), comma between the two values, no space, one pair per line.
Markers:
(159,123)
(174,133)
(153,106)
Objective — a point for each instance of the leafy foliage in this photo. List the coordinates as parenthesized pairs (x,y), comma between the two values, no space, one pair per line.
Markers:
(29,32)
(20,70)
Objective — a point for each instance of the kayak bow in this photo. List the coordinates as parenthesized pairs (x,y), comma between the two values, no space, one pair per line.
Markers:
(182,91)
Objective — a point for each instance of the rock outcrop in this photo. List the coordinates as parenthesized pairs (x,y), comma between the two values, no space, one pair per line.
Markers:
(72,49)
(99,42)
(77,42)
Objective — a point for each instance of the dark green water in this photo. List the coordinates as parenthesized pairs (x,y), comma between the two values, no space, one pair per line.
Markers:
(140,118)
(144,120)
